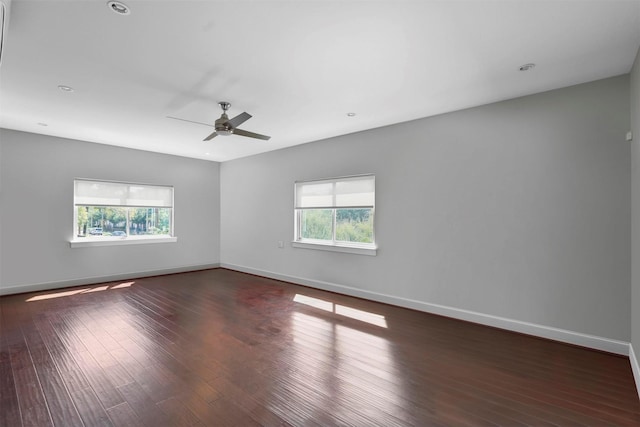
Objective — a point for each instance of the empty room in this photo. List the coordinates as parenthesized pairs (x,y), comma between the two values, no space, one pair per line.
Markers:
(319,213)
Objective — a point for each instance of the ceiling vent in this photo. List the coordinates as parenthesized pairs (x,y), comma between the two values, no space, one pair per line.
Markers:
(4,20)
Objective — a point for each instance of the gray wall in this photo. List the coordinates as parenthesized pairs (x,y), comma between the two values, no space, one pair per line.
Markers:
(518,209)
(36,178)
(635,226)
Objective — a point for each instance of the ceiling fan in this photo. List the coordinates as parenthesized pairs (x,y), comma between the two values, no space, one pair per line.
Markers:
(225,126)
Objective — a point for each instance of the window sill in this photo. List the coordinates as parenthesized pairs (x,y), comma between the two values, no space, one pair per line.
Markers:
(335,248)
(118,241)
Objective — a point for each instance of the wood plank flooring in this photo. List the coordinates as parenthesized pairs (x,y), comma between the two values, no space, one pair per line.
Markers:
(222,348)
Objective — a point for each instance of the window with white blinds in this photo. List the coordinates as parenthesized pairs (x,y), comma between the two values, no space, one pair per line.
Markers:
(336,212)
(108,210)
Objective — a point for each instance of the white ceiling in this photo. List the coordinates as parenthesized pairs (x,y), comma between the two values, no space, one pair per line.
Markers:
(297,66)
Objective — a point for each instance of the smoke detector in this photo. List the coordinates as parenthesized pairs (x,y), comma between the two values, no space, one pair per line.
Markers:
(119,8)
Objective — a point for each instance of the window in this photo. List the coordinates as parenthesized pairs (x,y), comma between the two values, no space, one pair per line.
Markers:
(336,213)
(114,212)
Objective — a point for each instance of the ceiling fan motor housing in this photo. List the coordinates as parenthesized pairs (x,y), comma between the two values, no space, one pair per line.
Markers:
(221,127)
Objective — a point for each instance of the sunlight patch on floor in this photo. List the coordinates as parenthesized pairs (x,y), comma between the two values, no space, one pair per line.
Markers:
(342,310)
(78,291)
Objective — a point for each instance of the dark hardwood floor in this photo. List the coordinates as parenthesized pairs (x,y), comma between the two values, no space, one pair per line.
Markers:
(221,348)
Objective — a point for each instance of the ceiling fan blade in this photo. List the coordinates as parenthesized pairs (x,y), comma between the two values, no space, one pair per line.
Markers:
(190,121)
(250,134)
(210,137)
(238,120)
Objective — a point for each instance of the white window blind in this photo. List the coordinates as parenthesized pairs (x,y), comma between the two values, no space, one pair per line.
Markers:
(101,193)
(351,192)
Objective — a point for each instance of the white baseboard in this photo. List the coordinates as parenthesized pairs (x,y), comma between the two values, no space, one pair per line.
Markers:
(635,367)
(562,335)
(37,287)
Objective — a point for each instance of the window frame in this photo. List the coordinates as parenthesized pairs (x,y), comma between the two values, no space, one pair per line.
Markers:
(334,244)
(128,239)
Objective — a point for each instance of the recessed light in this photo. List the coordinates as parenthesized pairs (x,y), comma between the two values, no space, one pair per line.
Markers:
(207,154)
(119,8)
(42,124)
(65,88)
(351,114)
(527,67)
